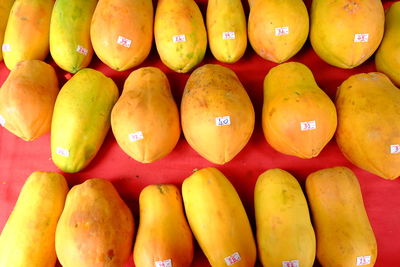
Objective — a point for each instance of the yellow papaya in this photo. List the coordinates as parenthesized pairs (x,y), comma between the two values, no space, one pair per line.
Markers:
(145,120)
(285,235)
(216,113)
(387,58)
(344,234)
(27,99)
(122,32)
(81,119)
(218,219)
(70,44)
(28,237)
(164,237)
(27,31)
(278,29)
(368,130)
(5,7)
(346,33)
(180,34)
(298,118)
(96,227)
(226,28)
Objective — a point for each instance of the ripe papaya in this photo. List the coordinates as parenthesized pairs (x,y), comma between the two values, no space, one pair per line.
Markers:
(218,220)
(122,32)
(387,58)
(145,120)
(278,29)
(226,28)
(346,33)
(81,119)
(70,44)
(368,130)
(5,8)
(96,227)
(344,234)
(164,237)
(298,118)
(28,237)
(27,31)
(180,34)
(217,114)
(284,231)
(27,99)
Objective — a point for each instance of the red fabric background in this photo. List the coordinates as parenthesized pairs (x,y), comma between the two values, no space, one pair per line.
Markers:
(18,159)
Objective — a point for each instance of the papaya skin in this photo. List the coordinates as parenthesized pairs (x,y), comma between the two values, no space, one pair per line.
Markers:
(28,237)
(5,8)
(163,230)
(340,221)
(69,30)
(147,106)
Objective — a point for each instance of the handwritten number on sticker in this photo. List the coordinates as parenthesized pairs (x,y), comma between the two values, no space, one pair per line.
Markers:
(308,125)
(361,38)
(235,257)
(281,31)
(62,152)
(395,149)
(179,38)
(2,121)
(221,121)
(294,263)
(124,41)
(228,35)
(363,260)
(165,263)
(133,137)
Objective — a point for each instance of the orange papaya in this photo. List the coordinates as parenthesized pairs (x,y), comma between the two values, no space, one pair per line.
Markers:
(5,8)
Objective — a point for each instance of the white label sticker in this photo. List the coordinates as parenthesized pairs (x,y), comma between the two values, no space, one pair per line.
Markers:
(235,257)
(81,50)
(2,121)
(228,35)
(294,263)
(164,263)
(62,152)
(179,38)
(395,149)
(308,125)
(136,136)
(281,31)
(6,47)
(124,41)
(363,260)
(221,121)
(361,38)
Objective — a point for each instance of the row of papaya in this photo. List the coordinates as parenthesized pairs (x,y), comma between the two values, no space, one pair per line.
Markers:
(217,115)
(343,33)
(94,227)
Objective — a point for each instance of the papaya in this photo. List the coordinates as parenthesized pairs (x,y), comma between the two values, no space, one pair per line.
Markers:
(346,33)
(96,227)
(278,29)
(344,234)
(180,34)
(298,118)
(122,32)
(27,99)
(218,219)
(226,28)
(27,31)
(81,119)
(28,236)
(164,237)
(5,8)
(216,113)
(285,235)
(368,130)
(145,120)
(70,44)
(387,58)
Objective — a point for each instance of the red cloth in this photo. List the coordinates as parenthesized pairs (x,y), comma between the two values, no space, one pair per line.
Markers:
(18,159)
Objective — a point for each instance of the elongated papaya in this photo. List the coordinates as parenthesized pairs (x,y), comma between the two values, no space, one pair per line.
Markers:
(218,219)
(164,237)
(96,227)
(226,28)
(285,236)
(27,99)
(298,118)
(145,120)
(344,234)
(27,31)
(70,44)
(122,32)
(5,8)
(81,119)
(28,237)
(180,34)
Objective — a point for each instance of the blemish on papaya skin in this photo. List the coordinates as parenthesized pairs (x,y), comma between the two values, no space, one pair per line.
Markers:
(161,188)
(351,7)
(110,254)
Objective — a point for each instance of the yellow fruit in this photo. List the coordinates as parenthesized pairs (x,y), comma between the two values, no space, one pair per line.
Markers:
(5,7)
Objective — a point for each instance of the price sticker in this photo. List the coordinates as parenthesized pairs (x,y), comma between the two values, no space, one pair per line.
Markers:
(164,263)
(124,41)
(361,38)
(308,125)
(179,38)
(395,149)
(62,152)
(81,50)
(363,260)
(6,47)
(221,121)
(136,136)
(2,121)
(228,35)
(230,260)
(294,263)
(281,31)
